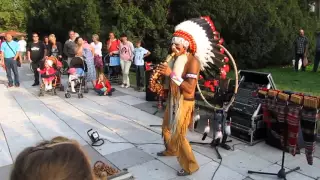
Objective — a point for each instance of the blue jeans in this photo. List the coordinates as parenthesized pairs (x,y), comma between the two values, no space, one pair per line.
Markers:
(100,92)
(12,65)
(140,76)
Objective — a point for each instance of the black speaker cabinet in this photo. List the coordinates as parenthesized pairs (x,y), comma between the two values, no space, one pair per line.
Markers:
(246,112)
(150,96)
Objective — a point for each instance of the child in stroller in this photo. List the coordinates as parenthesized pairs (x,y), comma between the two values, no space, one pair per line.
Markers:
(77,80)
(48,74)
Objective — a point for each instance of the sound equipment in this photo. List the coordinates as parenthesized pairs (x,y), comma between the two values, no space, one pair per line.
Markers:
(150,96)
(246,112)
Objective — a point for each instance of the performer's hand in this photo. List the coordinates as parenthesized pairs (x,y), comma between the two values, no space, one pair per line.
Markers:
(165,69)
(38,69)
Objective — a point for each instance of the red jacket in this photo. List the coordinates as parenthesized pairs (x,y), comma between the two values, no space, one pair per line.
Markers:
(48,71)
(100,85)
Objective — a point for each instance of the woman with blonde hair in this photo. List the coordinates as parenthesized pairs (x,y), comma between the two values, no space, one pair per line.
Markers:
(58,159)
(54,47)
(97,45)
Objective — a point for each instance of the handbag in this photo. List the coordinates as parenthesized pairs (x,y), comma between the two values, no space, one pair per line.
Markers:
(18,61)
(98,61)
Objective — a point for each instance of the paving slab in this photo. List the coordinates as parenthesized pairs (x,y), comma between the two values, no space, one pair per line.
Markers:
(20,142)
(136,135)
(123,117)
(5,172)
(153,149)
(117,93)
(151,108)
(154,170)
(129,158)
(109,148)
(301,161)
(265,152)
(131,91)
(206,172)
(274,168)
(5,155)
(180,178)
(241,162)
(95,156)
(130,100)
(248,178)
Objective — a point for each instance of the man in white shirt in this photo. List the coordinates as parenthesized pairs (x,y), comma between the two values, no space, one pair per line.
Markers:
(22,49)
(139,54)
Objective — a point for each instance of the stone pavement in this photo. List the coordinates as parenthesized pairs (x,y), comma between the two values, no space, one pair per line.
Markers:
(123,120)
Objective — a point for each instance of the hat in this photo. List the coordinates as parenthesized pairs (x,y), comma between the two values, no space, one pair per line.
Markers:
(202,39)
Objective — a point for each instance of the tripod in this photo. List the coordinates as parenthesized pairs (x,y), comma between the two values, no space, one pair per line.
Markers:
(282,172)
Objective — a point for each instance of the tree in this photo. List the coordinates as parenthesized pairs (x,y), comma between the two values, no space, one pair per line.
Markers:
(258,33)
(12,15)
(140,19)
(60,16)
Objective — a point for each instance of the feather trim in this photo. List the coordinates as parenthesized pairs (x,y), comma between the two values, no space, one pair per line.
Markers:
(206,39)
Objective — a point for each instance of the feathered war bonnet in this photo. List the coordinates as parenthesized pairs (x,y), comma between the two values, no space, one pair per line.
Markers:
(202,39)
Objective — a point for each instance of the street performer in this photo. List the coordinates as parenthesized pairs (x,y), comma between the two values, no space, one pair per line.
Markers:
(194,43)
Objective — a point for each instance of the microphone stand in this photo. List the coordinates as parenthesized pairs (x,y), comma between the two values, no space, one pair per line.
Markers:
(282,173)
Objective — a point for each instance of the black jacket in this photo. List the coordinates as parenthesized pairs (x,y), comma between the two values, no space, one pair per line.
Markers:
(59,46)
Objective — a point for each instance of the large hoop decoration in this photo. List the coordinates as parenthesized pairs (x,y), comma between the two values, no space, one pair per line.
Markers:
(227,106)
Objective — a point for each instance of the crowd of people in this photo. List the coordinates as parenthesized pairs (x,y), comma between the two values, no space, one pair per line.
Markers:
(121,54)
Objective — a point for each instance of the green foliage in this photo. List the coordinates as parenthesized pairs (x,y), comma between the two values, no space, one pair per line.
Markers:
(257,33)
(60,16)
(12,15)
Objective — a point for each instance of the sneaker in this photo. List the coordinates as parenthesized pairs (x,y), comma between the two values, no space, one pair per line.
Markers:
(127,86)
(17,85)
(35,84)
(10,85)
(122,85)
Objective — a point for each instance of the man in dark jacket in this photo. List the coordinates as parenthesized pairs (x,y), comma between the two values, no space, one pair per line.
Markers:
(69,46)
(300,46)
(317,56)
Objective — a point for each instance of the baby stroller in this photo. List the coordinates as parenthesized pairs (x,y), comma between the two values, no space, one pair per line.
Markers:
(112,68)
(80,83)
(56,82)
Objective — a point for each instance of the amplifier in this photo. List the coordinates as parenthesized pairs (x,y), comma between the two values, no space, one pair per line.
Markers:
(246,112)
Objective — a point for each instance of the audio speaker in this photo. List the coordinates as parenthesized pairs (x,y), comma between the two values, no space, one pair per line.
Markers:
(150,96)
